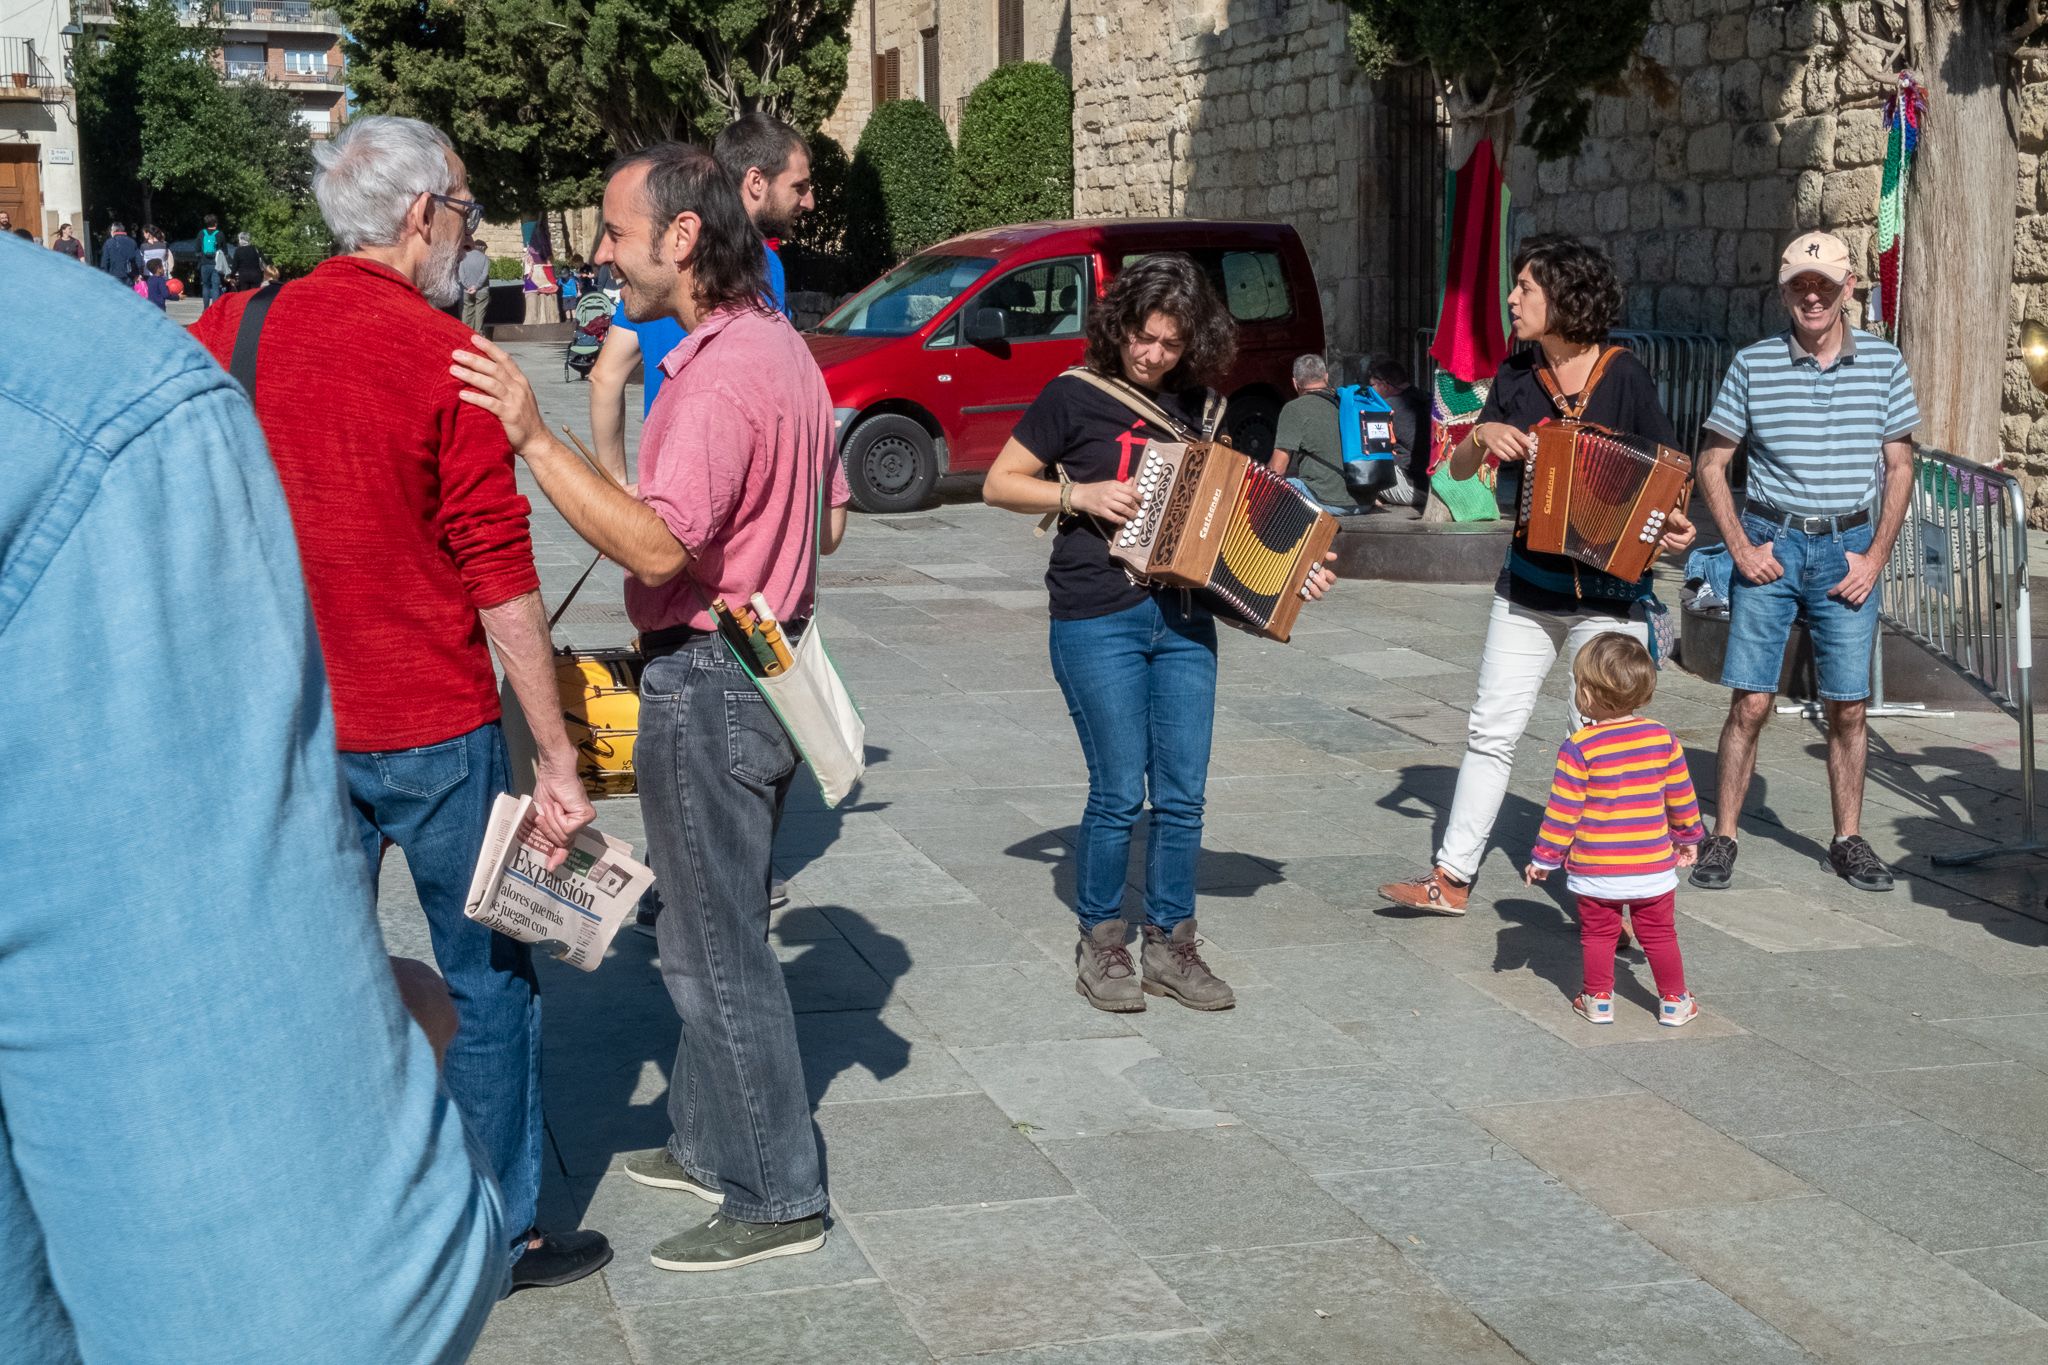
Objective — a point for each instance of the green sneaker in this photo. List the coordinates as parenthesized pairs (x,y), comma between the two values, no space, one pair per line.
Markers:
(664,1172)
(722,1243)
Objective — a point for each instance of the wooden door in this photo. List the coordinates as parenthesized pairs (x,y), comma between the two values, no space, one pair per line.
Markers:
(21,187)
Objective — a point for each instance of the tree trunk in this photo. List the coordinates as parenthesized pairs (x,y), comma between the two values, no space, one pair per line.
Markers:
(1958,258)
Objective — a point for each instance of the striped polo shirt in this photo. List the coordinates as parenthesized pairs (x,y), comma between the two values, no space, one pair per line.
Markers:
(1619,798)
(1816,436)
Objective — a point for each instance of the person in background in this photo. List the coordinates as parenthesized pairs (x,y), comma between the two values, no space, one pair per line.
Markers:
(155,248)
(247,263)
(1390,380)
(209,261)
(571,281)
(1828,411)
(542,291)
(1308,448)
(119,256)
(24,234)
(66,243)
(1136,662)
(414,542)
(6,221)
(473,273)
(739,460)
(153,286)
(233,1096)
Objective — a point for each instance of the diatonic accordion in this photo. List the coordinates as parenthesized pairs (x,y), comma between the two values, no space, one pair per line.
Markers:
(1600,497)
(1210,519)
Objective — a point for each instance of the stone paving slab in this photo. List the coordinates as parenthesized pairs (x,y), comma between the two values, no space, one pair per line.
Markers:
(1401,1145)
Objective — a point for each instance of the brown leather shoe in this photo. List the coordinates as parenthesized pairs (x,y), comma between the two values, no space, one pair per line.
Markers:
(1437,892)
(1104,972)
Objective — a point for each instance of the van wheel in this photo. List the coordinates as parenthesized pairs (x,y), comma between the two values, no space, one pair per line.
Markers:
(1251,421)
(891,464)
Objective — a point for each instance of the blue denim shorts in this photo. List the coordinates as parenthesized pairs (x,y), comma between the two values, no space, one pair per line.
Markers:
(1761,615)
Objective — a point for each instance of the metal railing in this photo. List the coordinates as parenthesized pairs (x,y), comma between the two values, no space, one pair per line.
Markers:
(1686,367)
(22,73)
(248,71)
(268,13)
(1957,583)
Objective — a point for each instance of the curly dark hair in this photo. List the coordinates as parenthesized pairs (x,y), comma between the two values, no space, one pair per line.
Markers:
(1577,280)
(1174,285)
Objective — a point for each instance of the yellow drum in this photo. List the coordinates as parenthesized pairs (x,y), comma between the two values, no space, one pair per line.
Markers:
(600,694)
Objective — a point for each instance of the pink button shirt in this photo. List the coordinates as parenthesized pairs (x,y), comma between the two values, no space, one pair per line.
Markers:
(730,459)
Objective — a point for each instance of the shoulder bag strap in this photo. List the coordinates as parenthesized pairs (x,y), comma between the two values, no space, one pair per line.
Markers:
(1571,409)
(1133,398)
(243,364)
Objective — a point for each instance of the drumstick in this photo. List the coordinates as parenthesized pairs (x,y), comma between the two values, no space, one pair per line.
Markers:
(590,459)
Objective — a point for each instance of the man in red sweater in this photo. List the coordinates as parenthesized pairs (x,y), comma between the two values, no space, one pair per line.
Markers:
(413,537)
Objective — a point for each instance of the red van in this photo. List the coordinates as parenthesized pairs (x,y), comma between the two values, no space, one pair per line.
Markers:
(931,365)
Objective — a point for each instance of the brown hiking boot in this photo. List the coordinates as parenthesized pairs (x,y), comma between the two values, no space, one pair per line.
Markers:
(1437,891)
(1104,971)
(1175,970)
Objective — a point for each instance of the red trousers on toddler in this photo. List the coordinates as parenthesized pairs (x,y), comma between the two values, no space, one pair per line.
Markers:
(1600,927)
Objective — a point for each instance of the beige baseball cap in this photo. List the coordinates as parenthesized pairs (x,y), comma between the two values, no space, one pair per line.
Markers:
(1821,252)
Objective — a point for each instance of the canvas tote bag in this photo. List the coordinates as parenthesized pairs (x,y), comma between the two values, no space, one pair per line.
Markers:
(810,698)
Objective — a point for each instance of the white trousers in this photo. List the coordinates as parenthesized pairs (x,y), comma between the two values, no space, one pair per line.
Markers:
(1521,647)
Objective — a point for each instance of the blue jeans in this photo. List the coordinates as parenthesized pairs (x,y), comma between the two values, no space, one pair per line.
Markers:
(1141,687)
(209,281)
(714,768)
(434,802)
(1760,615)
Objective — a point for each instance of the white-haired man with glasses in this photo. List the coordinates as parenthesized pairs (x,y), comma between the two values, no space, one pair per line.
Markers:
(413,537)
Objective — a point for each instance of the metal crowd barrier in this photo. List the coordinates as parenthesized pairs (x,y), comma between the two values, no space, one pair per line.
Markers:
(1957,583)
(1686,366)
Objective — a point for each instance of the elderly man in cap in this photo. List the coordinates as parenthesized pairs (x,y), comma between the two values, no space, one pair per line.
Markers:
(1828,412)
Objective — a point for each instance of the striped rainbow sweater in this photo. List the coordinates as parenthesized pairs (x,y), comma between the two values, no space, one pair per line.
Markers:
(1620,798)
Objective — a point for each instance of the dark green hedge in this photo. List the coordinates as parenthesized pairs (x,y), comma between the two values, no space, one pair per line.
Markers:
(1016,161)
(899,192)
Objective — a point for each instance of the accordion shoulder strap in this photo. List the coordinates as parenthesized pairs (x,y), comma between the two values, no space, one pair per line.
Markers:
(1574,407)
(1134,398)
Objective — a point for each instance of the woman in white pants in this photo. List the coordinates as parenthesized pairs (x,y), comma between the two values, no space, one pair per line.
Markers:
(1565,300)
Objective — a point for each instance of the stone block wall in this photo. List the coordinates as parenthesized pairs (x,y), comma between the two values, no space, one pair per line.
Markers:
(1235,109)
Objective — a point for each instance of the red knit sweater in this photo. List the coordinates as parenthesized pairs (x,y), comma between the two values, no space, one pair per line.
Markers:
(408,515)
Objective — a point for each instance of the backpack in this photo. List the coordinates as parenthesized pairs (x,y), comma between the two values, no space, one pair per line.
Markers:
(1365,436)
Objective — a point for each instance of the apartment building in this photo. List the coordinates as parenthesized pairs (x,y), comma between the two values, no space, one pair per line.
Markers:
(290,43)
(39,182)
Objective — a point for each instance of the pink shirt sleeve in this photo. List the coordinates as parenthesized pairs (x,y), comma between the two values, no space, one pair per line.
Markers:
(839,494)
(702,468)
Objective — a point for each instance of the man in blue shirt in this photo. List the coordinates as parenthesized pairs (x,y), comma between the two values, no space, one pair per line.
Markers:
(220,1137)
(769,162)
(120,257)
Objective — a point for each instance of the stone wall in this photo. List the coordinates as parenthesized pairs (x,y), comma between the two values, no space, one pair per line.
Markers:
(1245,109)
(967,52)
(1757,131)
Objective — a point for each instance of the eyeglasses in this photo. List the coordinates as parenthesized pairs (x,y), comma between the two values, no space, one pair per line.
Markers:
(472,212)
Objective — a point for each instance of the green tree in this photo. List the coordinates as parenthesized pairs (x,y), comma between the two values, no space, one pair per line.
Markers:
(1016,158)
(539,95)
(166,139)
(1491,55)
(899,187)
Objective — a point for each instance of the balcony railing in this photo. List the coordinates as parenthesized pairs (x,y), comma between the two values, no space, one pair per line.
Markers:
(234,13)
(23,75)
(248,71)
(318,76)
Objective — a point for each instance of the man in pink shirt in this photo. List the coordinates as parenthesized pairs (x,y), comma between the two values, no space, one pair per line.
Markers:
(731,463)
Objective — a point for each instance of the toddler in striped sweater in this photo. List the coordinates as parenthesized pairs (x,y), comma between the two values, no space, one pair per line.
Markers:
(1622,820)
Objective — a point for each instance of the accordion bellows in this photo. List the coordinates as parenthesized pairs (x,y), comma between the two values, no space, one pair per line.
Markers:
(1600,497)
(1210,519)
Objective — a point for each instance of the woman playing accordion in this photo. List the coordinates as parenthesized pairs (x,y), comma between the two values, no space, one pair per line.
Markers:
(1566,300)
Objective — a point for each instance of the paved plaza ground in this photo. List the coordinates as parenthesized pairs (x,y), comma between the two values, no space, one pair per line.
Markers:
(1401,1146)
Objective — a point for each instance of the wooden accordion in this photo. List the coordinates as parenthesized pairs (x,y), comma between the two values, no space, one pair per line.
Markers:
(1212,520)
(1600,497)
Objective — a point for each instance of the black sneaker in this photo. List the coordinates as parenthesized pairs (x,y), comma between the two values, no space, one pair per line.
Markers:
(1716,864)
(1857,863)
(561,1258)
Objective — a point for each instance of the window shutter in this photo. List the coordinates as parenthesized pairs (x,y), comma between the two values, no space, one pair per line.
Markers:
(930,40)
(888,69)
(1009,31)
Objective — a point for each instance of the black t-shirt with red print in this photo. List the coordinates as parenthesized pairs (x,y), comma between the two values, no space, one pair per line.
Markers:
(1094,437)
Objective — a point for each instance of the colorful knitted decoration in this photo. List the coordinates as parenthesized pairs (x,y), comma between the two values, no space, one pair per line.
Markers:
(1471,338)
(1904,111)
(1453,412)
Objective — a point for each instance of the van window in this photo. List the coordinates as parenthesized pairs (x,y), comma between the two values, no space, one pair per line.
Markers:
(1253,283)
(906,298)
(1039,301)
